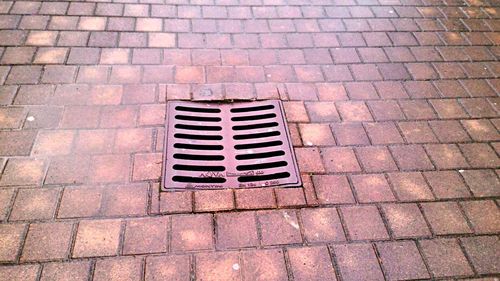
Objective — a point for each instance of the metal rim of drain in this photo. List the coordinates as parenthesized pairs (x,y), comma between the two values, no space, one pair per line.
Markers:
(227,145)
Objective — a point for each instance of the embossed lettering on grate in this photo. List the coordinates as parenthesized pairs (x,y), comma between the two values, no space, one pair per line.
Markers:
(233,145)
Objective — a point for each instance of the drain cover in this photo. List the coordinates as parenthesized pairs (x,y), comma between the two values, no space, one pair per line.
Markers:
(237,145)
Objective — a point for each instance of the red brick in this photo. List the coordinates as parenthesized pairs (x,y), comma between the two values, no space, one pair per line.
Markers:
(331,91)
(354,111)
(59,74)
(480,155)
(483,183)
(410,186)
(118,116)
(313,263)
(11,117)
(11,237)
(411,157)
(364,223)
(340,160)
(147,166)
(372,188)
(350,134)
(417,132)
(125,73)
(71,94)
(322,225)
(94,141)
(119,269)
(213,200)
(68,169)
(97,238)
(27,171)
(144,236)
(226,263)
(483,253)
(383,133)
(80,202)
(286,197)
(263,264)
(295,112)
(322,111)
(316,134)
(6,196)
(34,204)
(447,184)
(446,156)
(255,198)
(445,218)
(176,202)
(77,271)
(16,142)
(173,267)
(481,130)
(445,258)
(110,168)
(192,232)
(47,241)
(357,262)
(53,143)
(27,272)
(386,110)
(405,220)
(125,200)
(279,227)
(376,159)
(482,216)
(332,189)
(133,140)
(80,117)
(402,261)
(449,131)
(417,110)
(309,160)
(152,114)
(236,230)
(189,74)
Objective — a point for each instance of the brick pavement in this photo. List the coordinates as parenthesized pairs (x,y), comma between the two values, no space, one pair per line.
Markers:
(392,106)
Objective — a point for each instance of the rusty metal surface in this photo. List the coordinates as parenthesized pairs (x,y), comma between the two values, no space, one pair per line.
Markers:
(233,145)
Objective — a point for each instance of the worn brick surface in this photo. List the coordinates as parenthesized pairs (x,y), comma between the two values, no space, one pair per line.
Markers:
(393,111)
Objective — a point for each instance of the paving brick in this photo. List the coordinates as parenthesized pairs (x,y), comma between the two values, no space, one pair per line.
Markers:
(213,200)
(309,159)
(11,238)
(480,155)
(97,238)
(375,159)
(332,189)
(449,131)
(47,241)
(410,186)
(254,198)
(363,223)
(446,156)
(354,111)
(78,271)
(445,258)
(68,169)
(372,188)
(80,202)
(174,267)
(6,198)
(340,160)
(110,168)
(482,183)
(16,142)
(411,157)
(401,260)
(481,130)
(383,133)
(53,142)
(483,252)
(144,236)
(11,117)
(23,171)
(322,225)
(445,218)
(350,134)
(447,184)
(27,272)
(483,216)
(236,230)
(405,220)
(357,262)
(279,227)
(312,263)
(176,202)
(260,264)
(119,269)
(118,116)
(192,232)
(33,204)
(225,263)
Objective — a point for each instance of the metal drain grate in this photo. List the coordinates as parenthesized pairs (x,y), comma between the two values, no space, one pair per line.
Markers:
(237,145)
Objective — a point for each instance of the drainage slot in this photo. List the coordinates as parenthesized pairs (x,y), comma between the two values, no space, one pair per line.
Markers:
(260,155)
(197,137)
(261,166)
(253,117)
(264,177)
(198,157)
(256,136)
(255,126)
(198,127)
(198,179)
(258,145)
(199,168)
(197,109)
(197,118)
(253,108)
(198,146)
